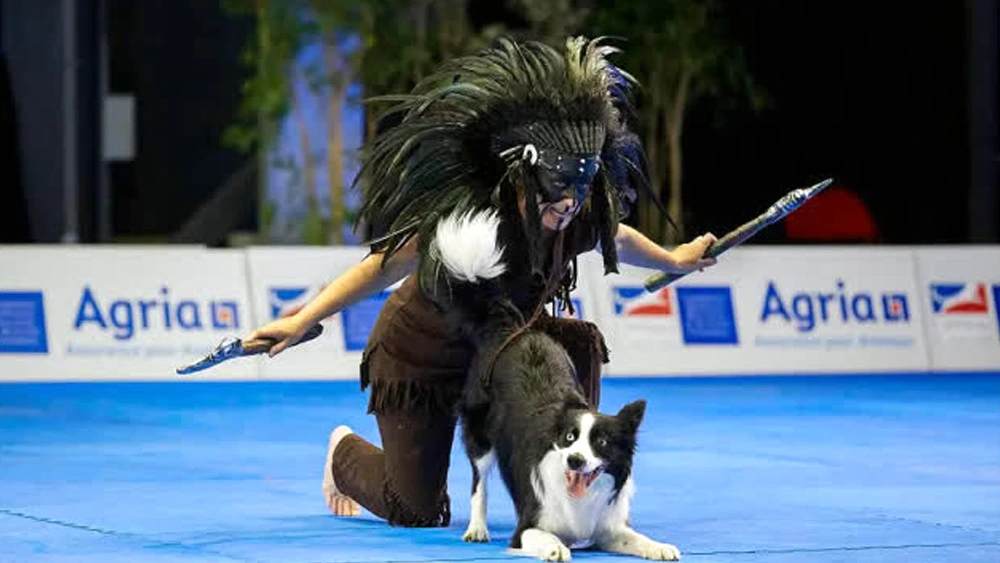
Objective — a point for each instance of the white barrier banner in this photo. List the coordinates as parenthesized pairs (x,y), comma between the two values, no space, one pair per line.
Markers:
(283,278)
(137,313)
(824,309)
(585,299)
(118,313)
(773,310)
(686,328)
(961,303)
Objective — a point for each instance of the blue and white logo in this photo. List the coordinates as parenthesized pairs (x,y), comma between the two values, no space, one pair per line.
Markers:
(22,323)
(279,299)
(961,311)
(706,315)
(808,310)
(577,309)
(124,318)
(959,299)
(635,301)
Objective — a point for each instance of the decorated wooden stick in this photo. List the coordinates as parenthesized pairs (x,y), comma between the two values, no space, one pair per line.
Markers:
(231,347)
(781,208)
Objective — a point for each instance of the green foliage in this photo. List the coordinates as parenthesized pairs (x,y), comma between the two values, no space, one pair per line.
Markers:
(407,42)
(680,51)
(668,38)
(552,21)
(283,28)
(280,33)
(268,211)
(315,227)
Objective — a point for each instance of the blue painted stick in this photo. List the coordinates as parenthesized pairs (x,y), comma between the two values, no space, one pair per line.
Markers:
(231,348)
(781,208)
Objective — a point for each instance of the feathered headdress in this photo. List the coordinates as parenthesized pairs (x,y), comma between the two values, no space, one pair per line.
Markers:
(515,116)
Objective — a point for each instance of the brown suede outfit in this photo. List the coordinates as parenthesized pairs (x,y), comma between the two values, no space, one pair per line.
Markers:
(416,368)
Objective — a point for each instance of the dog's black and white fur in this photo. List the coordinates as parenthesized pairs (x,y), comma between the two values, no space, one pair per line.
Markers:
(567,467)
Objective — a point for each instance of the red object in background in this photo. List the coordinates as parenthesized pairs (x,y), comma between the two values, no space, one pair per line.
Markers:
(836,215)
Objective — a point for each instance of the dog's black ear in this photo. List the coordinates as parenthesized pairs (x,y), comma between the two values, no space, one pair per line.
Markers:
(631,414)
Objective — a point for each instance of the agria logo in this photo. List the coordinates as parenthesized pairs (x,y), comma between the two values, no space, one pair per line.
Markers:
(806,310)
(126,317)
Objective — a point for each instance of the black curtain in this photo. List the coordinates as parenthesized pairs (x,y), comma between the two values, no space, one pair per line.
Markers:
(14,226)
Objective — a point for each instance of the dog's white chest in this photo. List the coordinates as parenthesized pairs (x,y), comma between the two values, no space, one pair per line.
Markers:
(575,521)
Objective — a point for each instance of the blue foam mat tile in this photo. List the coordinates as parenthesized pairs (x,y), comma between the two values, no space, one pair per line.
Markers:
(359,543)
(35,539)
(770,470)
(805,534)
(172,509)
(949,554)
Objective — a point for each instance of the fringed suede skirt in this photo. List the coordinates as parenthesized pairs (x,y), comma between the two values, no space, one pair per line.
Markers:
(414,363)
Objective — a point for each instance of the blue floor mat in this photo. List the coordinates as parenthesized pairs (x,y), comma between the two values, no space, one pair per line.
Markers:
(762,470)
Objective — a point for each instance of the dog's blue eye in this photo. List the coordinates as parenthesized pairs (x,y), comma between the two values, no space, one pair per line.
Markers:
(570,437)
(602,442)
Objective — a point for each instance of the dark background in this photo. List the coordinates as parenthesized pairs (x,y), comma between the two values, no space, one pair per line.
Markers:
(875,94)
(866,92)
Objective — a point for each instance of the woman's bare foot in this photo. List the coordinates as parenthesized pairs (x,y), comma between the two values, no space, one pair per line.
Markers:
(340,504)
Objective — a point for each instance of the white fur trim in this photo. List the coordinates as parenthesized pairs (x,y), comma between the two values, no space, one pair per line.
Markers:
(467,246)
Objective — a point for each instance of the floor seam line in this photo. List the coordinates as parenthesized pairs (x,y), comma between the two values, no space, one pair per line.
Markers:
(699,553)
(844,548)
(144,540)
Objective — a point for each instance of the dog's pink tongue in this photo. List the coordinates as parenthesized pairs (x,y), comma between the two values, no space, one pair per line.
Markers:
(576,484)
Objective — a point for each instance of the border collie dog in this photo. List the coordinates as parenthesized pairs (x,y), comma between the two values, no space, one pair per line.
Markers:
(567,467)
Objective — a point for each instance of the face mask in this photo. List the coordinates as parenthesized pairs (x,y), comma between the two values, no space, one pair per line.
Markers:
(559,175)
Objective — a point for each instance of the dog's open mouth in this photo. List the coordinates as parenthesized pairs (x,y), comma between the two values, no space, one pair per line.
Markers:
(577,482)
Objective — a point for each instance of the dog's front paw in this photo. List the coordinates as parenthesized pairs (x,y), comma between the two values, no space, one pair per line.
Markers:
(554,551)
(475,533)
(660,552)
(543,545)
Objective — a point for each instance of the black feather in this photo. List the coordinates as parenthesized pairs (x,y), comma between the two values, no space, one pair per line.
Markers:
(442,151)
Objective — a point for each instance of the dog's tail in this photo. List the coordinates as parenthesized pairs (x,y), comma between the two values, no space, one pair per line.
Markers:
(464,268)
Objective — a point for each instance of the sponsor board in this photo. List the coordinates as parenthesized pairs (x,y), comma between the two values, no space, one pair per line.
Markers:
(137,313)
(772,310)
(961,287)
(813,309)
(282,279)
(689,327)
(118,312)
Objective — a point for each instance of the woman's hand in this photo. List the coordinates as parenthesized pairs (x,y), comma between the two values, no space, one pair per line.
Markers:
(286,331)
(359,281)
(635,249)
(689,256)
